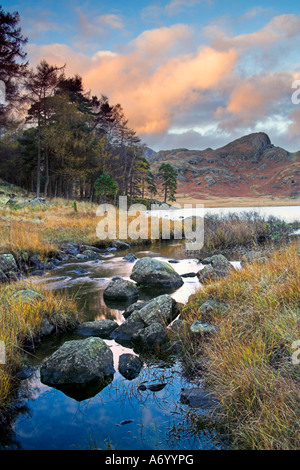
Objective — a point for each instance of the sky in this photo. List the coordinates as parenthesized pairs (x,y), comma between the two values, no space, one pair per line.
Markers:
(188,73)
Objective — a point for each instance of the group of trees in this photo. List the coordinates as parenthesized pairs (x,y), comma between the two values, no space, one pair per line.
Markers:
(69,144)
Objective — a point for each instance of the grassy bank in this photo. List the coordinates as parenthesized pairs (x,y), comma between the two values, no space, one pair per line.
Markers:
(21,319)
(249,360)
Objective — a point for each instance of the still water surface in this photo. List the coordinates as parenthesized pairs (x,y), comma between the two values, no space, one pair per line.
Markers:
(119,415)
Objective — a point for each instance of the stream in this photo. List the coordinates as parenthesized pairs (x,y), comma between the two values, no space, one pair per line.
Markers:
(120,416)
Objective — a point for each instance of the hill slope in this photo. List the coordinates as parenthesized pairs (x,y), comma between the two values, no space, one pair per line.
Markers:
(250,166)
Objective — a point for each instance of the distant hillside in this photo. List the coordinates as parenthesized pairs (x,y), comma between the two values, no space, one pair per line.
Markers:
(249,166)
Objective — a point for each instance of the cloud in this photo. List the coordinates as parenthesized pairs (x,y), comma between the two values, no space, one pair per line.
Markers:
(176,6)
(92,27)
(279,28)
(166,84)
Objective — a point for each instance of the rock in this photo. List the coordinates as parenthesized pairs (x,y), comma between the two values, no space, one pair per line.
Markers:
(70,248)
(3,277)
(120,245)
(80,271)
(9,267)
(47,328)
(196,397)
(121,289)
(253,256)
(37,201)
(83,248)
(150,272)
(173,261)
(212,306)
(90,254)
(131,258)
(100,328)
(202,328)
(25,373)
(35,260)
(151,338)
(156,387)
(28,295)
(161,310)
(189,275)
(81,256)
(130,366)
(133,307)
(218,267)
(78,362)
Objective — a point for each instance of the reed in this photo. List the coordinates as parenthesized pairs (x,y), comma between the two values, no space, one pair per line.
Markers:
(249,362)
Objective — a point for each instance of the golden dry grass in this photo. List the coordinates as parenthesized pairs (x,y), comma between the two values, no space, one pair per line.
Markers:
(21,320)
(250,366)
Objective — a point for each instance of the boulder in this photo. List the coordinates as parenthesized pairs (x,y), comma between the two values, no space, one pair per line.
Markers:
(8,267)
(162,310)
(218,267)
(28,295)
(121,289)
(150,272)
(151,338)
(210,307)
(136,306)
(120,245)
(78,362)
(101,328)
(130,366)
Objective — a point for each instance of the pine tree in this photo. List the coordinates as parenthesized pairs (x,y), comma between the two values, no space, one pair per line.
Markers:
(168,179)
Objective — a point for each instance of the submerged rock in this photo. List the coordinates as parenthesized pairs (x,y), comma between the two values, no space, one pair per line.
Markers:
(197,397)
(130,366)
(150,272)
(78,362)
(131,258)
(121,289)
(101,328)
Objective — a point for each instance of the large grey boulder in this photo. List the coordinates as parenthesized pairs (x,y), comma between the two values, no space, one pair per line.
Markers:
(8,267)
(150,272)
(78,362)
(151,338)
(121,289)
(136,306)
(218,266)
(161,310)
(101,328)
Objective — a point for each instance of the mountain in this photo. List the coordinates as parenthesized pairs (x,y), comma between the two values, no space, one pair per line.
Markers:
(249,166)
